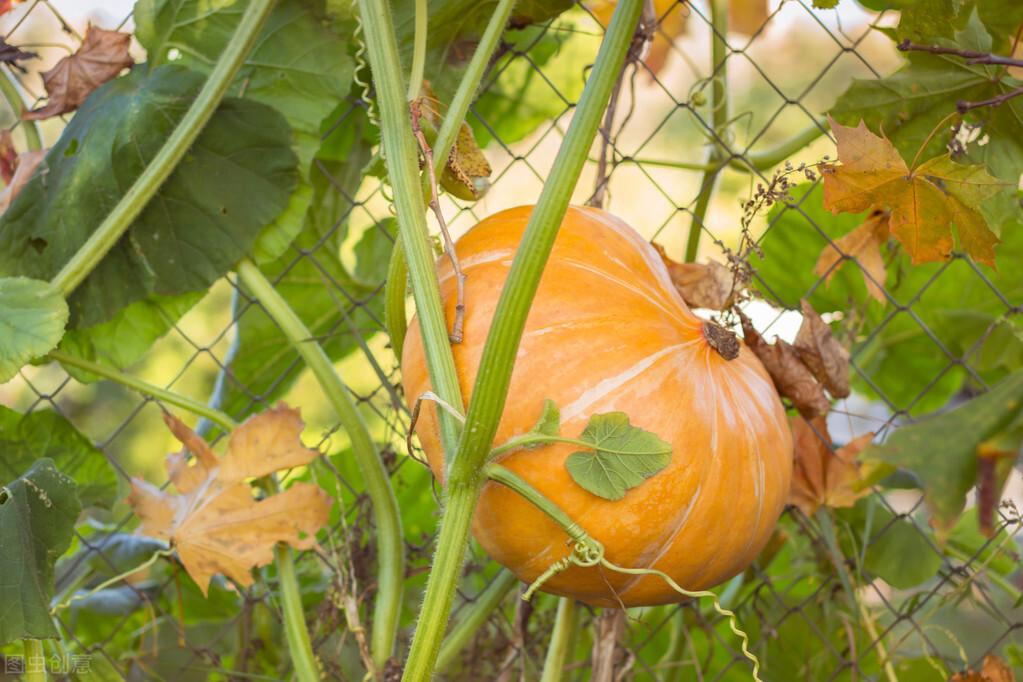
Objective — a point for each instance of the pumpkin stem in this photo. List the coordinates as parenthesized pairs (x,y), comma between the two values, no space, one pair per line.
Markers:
(725,342)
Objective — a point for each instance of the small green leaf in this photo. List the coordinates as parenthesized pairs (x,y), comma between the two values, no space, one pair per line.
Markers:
(549,423)
(373,253)
(25,438)
(32,319)
(623,456)
(825,4)
(38,511)
(942,450)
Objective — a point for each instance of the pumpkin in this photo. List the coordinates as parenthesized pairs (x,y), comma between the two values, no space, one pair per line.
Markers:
(608,332)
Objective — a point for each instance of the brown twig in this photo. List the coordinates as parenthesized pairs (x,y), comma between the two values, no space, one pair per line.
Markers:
(449,246)
(971,57)
(644,34)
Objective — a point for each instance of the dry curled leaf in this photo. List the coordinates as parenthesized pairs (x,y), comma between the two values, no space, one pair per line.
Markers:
(12,54)
(864,245)
(925,201)
(24,166)
(101,56)
(994,670)
(821,353)
(467,172)
(791,377)
(215,523)
(710,285)
(822,477)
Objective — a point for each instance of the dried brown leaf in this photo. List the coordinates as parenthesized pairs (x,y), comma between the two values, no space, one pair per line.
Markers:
(216,524)
(710,285)
(24,166)
(102,55)
(864,245)
(994,670)
(822,353)
(822,477)
(791,377)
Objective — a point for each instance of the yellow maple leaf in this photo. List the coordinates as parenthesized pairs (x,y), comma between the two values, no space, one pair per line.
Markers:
(924,202)
(216,524)
(864,244)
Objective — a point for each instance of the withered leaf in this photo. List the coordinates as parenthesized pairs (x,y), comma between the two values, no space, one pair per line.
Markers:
(215,523)
(822,477)
(24,165)
(864,245)
(994,669)
(12,54)
(101,56)
(7,5)
(821,353)
(791,377)
(467,172)
(925,201)
(710,285)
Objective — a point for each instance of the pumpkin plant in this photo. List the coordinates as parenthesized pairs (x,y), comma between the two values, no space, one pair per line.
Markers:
(586,405)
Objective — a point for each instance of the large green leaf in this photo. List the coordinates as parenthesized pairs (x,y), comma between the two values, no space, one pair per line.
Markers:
(24,438)
(32,319)
(298,65)
(236,179)
(122,340)
(38,511)
(942,450)
(317,286)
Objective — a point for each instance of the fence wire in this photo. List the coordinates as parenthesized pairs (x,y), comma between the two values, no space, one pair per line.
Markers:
(793,616)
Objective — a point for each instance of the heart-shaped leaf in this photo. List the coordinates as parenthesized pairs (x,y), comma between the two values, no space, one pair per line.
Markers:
(623,456)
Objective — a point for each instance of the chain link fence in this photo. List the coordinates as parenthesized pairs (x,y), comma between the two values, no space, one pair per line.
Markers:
(807,608)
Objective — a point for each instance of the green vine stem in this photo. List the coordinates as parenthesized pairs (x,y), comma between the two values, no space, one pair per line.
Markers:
(147,389)
(719,112)
(303,660)
(415,79)
(397,271)
(566,627)
(9,91)
(394,298)
(402,156)
(390,548)
(34,655)
(588,552)
(759,161)
(494,376)
(476,615)
(171,153)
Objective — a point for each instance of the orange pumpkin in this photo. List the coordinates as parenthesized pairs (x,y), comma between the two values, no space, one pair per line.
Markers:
(608,332)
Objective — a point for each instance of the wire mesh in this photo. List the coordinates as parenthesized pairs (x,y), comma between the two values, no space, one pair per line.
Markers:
(809,618)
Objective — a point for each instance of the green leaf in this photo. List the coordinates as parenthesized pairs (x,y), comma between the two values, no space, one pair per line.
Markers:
(533,88)
(32,319)
(298,65)
(373,252)
(125,338)
(942,450)
(317,287)
(549,423)
(797,234)
(623,456)
(38,511)
(24,438)
(118,553)
(901,555)
(236,179)
(117,601)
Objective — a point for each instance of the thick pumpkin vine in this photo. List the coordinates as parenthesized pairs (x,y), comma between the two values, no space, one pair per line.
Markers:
(911,184)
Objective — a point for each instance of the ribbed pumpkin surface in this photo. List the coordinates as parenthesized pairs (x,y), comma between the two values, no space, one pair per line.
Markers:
(608,332)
